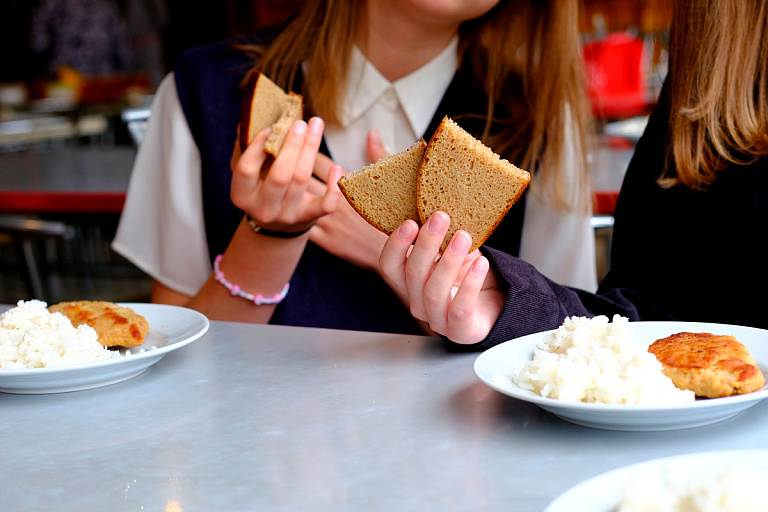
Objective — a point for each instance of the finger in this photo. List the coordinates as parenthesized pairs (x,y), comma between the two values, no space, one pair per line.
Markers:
(437,290)
(281,173)
(317,187)
(375,147)
(323,166)
(461,313)
(315,208)
(309,150)
(302,174)
(422,260)
(332,193)
(394,255)
(246,169)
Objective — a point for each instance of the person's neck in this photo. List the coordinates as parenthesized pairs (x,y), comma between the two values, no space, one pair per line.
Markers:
(403,43)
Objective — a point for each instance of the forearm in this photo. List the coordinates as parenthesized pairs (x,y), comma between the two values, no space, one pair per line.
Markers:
(258,264)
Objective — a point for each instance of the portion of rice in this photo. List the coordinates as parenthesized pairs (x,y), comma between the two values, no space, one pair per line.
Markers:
(33,337)
(594,360)
(733,489)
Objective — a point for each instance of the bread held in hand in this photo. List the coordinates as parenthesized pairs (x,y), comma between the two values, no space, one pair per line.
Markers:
(267,105)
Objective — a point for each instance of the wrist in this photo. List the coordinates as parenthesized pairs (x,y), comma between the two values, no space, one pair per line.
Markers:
(259,229)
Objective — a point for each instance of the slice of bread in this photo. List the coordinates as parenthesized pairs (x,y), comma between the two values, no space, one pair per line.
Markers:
(462,177)
(384,193)
(266,104)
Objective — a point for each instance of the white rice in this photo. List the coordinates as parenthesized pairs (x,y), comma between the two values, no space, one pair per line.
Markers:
(594,360)
(734,489)
(33,337)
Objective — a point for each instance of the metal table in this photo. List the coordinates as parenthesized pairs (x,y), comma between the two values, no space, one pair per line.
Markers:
(254,417)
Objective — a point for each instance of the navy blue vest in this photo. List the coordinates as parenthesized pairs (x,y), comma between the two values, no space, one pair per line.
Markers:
(325,290)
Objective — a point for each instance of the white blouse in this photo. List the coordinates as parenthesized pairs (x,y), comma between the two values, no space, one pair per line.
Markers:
(161,229)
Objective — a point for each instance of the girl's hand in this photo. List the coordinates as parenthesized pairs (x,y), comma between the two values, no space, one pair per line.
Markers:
(454,293)
(281,200)
(345,233)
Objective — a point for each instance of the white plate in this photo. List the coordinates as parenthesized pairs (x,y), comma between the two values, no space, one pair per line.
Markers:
(170,328)
(603,493)
(496,364)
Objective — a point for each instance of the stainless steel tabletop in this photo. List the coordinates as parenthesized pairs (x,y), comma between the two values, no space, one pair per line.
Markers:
(257,418)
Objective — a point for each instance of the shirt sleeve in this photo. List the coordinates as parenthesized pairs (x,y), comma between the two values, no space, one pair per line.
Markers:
(161,228)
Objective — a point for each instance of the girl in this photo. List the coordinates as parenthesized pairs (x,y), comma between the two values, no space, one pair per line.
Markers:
(374,74)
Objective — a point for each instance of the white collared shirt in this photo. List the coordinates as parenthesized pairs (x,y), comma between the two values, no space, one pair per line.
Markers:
(400,111)
(162,230)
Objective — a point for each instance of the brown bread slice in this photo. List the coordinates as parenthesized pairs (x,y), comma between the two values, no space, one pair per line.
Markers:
(266,104)
(384,193)
(462,177)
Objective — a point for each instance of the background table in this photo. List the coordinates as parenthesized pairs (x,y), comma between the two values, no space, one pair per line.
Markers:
(278,418)
(66,179)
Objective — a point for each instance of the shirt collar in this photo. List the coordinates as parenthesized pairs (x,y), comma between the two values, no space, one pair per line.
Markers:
(419,92)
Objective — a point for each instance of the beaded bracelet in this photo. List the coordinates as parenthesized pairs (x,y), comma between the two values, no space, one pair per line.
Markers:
(234,289)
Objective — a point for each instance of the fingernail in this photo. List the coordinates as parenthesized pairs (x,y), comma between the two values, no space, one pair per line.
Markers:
(406,230)
(316,125)
(460,242)
(436,222)
(479,266)
(300,127)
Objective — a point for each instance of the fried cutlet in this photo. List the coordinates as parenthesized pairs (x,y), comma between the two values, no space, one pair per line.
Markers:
(117,326)
(710,365)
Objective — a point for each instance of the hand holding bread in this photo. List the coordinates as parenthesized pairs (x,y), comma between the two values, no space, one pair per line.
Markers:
(456,294)
(278,200)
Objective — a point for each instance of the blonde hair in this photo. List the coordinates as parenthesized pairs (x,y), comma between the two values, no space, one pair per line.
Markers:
(718,79)
(526,52)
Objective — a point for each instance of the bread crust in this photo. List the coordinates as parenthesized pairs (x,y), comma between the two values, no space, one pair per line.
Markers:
(710,365)
(117,326)
(245,111)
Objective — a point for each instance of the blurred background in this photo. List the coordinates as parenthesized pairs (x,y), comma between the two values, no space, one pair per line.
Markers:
(76,85)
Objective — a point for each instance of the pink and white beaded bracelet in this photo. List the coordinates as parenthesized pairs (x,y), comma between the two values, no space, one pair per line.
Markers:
(234,289)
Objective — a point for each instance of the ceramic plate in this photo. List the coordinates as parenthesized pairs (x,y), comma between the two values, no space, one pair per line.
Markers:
(604,492)
(170,328)
(495,365)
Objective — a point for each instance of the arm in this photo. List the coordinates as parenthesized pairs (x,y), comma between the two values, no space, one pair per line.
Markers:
(470,306)
(262,264)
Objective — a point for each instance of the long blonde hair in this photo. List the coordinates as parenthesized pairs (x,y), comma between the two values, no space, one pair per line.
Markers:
(718,79)
(526,52)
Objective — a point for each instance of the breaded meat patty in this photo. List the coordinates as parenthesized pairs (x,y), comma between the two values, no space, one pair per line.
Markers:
(117,326)
(710,365)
